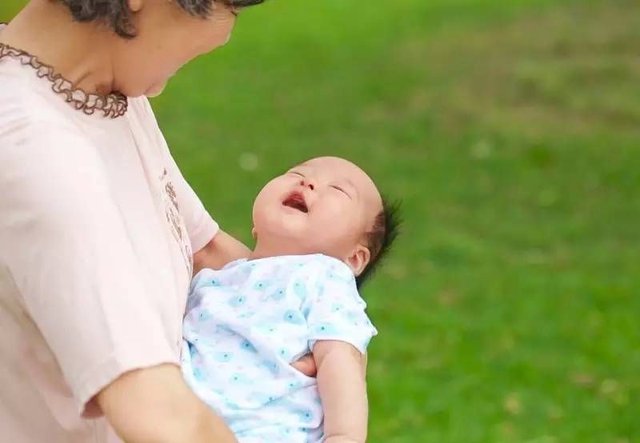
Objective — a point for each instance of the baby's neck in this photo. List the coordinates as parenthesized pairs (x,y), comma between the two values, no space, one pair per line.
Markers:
(268,249)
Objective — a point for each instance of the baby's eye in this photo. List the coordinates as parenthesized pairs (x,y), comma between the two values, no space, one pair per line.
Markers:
(296,173)
(341,190)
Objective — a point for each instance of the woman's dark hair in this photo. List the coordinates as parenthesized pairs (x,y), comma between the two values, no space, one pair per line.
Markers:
(117,15)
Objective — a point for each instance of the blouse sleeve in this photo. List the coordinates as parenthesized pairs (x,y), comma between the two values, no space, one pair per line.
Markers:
(66,247)
(335,310)
(200,225)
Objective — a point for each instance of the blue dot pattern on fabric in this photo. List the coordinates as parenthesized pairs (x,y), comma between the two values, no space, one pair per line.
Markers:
(300,289)
(247,322)
(261,285)
(305,415)
(294,316)
(223,357)
(325,329)
(237,300)
(247,346)
(197,373)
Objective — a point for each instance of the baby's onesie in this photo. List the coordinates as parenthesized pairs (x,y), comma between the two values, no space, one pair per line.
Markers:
(246,323)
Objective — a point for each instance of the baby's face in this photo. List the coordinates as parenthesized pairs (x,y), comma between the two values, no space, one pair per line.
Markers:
(325,205)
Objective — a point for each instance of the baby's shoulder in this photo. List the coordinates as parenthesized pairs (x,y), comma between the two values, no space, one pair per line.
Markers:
(330,267)
(299,269)
(320,271)
(309,264)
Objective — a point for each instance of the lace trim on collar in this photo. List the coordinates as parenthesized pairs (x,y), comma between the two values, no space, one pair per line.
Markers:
(113,105)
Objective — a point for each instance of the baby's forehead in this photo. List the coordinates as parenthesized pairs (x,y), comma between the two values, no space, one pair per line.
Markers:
(340,168)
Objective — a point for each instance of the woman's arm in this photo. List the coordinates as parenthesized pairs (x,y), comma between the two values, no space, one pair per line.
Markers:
(155,405)
(343,391)
(82,284)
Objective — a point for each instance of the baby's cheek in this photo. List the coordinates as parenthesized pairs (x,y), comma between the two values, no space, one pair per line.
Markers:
(335,233)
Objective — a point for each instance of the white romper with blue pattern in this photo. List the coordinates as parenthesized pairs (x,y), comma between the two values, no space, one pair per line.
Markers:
(247,322)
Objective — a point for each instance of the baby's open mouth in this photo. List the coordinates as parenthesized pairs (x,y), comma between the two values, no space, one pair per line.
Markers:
(296,201)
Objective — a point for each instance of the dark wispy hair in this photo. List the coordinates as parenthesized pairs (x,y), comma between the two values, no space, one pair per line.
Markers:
(386,227)
(117,15)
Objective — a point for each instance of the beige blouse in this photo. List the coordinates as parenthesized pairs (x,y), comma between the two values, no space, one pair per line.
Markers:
(97,229)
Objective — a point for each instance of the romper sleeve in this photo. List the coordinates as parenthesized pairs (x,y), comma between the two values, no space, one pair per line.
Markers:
(200,225)
(334,309)
(65,245)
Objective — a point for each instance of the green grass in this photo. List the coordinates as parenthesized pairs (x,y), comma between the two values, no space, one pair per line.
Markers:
(511,131)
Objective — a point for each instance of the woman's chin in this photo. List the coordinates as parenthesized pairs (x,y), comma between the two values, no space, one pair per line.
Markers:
(155,90)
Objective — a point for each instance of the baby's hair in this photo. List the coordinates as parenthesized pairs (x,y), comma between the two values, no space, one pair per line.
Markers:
(381,237)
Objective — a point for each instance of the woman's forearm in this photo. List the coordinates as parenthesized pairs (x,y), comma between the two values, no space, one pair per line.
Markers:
(155,405)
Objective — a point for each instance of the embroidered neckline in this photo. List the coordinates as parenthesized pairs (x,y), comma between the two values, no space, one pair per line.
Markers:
(113,105)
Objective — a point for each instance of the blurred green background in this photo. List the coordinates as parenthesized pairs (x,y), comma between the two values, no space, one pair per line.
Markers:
(509,309)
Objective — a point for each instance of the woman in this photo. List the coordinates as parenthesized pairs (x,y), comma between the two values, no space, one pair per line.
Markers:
(100,233)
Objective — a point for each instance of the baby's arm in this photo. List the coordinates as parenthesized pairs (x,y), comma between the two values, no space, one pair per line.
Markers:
(343,391)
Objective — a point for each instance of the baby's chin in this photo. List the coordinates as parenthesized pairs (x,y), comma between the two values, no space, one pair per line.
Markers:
(282,223)
(279,238)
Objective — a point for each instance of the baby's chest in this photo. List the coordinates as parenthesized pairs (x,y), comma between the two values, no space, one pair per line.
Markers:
(263,315)
(260,302)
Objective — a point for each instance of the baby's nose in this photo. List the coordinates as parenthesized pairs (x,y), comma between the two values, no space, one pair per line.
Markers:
(307,183)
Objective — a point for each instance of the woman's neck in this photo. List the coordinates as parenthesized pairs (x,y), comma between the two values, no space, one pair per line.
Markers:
(77,51)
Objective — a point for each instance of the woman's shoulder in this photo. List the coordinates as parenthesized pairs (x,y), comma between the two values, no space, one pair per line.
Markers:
(23,100)
(34,124)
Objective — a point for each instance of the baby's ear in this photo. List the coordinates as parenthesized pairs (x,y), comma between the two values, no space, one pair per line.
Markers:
(359,259)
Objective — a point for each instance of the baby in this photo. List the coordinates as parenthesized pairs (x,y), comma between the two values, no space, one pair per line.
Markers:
(320,229)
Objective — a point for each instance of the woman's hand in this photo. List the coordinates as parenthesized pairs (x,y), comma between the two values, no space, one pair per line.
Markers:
(306,365)
(221,250)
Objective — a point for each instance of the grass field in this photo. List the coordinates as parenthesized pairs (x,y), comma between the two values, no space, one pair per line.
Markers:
(509,310)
